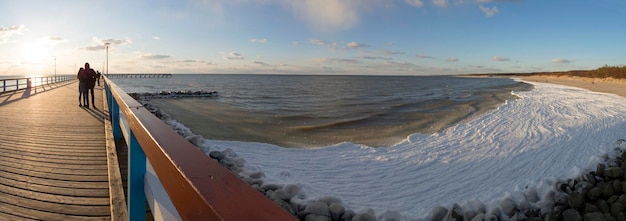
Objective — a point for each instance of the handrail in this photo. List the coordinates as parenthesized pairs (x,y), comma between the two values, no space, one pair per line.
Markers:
(15,84)
(198,186)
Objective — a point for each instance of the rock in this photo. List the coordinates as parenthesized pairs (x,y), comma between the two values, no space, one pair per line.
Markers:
(594,193)
(490,217)
(348,215)
(391,216)
(613,172)
(600,170)
(281,194)
(507,206)
(572,215)
(594,216)
(456,213)
(617,186)
(272,187)
(561,198)
(532,195)
(317,208)
(218,155)
(315,217)
(604,207)
(616,208)
(590,208)
(478,217)
(286,206)
(607,190)
(438,213)
(328,199)
(589,178)
(336,210)
(576,200)
(621,217)
(364,217)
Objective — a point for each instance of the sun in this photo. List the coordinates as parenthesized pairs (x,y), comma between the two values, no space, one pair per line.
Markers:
(35,52)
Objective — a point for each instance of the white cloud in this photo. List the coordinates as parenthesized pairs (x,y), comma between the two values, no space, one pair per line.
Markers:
(440,3)
(497,58)
(425,57)
(392,52)
(154,56)
(376,58)
(452,59)
(264,40)
(489,12)
(561,61)
(16,29)
(415,3)
(156,38)
(318,42)
(233,56)
(398,63)
(327,14)
(339,60)
(354,44)
(260,63)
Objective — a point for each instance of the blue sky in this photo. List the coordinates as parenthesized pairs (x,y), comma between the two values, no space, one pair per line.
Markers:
(383,37)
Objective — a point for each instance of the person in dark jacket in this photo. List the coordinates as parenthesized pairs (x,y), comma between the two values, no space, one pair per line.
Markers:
(88,80)
(80,86)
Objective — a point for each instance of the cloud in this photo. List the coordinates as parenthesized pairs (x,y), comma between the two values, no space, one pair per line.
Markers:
(440,3)
(260,63)
(189,61)
(99,44)
(156,38)
(318,42)
(6,32)
(154,56)
(491,1)
(415,3)
(339,60)
(425,57)
(452,59)
(398,63)
(561,61)
(497,58)
(264,40)
(327,14)
(489,12)
(233,56)
(376,58)
(393,52)
(353,44)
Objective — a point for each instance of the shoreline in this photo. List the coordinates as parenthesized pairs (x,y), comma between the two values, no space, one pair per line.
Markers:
(603,85)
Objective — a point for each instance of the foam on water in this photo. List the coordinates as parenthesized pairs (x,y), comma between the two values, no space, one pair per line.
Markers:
(552,132)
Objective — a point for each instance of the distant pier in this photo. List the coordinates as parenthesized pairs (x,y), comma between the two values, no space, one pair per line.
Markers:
(139,75)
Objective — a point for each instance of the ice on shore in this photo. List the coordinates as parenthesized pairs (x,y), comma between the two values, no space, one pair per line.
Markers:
(552,132)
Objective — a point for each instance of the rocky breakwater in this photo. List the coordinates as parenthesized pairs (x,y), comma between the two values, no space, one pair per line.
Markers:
(597,194)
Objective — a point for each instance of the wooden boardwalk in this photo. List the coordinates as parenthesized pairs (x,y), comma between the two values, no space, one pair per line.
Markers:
(53,157)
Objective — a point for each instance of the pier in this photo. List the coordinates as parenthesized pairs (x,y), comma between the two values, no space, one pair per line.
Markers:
(112,76)
(110,162)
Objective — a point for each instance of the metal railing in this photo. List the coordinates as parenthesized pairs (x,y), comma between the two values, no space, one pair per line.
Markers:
(177,179)
(14,84)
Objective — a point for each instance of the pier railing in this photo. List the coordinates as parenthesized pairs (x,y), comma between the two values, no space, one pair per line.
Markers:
(14,84)
(178,180)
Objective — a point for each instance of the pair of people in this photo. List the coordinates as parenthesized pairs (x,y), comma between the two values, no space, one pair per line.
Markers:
(87,81)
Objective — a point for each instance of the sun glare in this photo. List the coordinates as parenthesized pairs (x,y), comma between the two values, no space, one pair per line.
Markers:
(35,52)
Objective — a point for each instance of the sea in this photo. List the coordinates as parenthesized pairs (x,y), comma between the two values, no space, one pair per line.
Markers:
(396,147)
(320,110)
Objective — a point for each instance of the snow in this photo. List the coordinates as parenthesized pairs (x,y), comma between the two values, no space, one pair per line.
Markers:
(550,133)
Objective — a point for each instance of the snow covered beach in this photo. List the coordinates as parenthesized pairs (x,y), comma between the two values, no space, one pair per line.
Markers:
(552,132)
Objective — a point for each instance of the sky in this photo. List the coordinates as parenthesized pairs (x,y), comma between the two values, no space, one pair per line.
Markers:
(379,37)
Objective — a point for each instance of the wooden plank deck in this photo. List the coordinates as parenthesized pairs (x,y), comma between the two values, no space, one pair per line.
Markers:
(53,157)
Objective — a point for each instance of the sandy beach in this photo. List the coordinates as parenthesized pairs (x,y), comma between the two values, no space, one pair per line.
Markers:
(605,85)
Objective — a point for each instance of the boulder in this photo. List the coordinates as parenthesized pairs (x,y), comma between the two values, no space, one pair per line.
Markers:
(572,215)
(613,172)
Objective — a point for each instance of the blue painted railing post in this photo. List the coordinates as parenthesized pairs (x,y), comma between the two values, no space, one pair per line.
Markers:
(136,174)
(115,120)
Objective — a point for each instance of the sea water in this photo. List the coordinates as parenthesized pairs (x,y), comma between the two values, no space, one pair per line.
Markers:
(315,111)
(526,144)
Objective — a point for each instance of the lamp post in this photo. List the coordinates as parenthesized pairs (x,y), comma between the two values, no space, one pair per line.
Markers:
(106,45)
(55,68)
